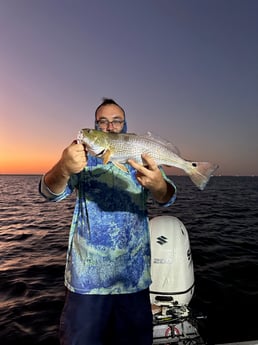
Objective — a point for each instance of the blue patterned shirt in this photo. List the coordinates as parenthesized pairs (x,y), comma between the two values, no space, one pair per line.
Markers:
(109,247)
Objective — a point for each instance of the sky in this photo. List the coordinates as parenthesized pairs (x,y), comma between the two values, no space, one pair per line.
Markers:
(185,70)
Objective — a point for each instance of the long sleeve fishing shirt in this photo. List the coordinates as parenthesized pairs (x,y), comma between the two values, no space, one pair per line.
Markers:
(109,245)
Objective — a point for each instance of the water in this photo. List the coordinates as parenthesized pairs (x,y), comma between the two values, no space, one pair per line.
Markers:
(222,222)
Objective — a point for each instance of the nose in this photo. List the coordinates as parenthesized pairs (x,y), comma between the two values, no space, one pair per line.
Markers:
(110,127)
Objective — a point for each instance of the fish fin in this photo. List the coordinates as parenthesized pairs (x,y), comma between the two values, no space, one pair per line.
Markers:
(161,141)
(201,172)
(106,156)
(120,166)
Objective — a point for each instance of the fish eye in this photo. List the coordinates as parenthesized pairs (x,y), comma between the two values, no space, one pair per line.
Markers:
(194,165)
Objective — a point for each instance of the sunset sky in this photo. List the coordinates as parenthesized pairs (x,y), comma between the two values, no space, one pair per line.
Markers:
(184,70)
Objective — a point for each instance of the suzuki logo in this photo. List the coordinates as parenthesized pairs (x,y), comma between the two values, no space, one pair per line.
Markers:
(162,240)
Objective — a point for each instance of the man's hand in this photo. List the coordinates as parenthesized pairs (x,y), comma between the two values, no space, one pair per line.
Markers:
(150,177)
(73,159)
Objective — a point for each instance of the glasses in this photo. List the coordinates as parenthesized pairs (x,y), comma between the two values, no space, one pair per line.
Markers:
(104,123)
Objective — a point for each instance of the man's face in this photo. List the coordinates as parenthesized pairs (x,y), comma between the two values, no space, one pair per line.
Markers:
(110,118)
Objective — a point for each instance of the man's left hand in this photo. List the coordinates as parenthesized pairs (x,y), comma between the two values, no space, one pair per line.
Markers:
(150,177)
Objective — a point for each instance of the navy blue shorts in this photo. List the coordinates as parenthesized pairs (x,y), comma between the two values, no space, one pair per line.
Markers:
(106,319)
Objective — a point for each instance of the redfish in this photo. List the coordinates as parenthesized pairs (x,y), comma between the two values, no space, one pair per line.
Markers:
(118,148)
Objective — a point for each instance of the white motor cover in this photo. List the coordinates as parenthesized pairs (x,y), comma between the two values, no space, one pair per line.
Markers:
(171,260)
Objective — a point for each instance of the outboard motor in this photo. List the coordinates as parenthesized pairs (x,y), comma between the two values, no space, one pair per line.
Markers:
(171,261)
(172,282)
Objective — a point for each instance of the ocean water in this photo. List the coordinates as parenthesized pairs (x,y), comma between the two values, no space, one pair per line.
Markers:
(222,222)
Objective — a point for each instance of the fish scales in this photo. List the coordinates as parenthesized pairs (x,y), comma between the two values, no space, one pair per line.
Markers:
(131,146)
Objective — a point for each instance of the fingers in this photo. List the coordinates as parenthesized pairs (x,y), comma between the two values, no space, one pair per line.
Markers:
(134,164)
(78,147)
(148,164)
(149,174)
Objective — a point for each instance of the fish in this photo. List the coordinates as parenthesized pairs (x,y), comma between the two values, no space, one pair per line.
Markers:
(118,148)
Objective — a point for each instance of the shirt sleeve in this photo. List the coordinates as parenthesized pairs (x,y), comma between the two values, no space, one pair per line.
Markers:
(51,196)
(173,198)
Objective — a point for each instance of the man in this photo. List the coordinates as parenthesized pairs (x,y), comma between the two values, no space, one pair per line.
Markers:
(108,259)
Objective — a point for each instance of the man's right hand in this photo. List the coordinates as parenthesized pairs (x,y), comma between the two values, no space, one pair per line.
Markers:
(74,159)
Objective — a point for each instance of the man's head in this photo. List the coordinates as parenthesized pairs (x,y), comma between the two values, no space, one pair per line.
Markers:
(110,117)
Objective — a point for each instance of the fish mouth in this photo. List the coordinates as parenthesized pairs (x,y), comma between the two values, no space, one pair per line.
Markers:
(80,135)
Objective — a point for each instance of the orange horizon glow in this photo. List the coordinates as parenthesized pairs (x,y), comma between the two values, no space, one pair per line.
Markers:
(26,164)
(37,159)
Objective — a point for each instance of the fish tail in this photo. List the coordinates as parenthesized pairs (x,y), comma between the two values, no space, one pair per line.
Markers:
(201,172)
